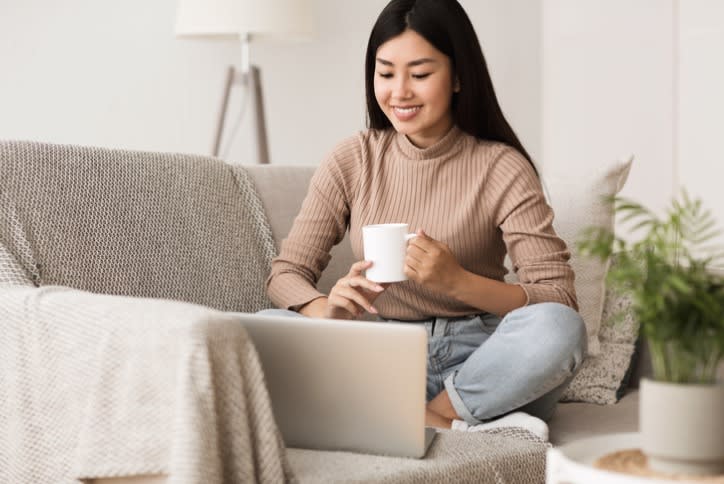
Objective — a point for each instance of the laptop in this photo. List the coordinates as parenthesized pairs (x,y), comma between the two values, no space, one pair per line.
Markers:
(345,385)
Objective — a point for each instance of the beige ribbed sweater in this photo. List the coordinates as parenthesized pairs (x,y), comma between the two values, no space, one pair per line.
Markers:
(481,198)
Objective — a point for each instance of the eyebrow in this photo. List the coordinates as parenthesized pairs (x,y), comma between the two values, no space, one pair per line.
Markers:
(417,62)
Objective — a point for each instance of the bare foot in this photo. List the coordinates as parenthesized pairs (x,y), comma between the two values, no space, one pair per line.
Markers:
(433,419)
(442,405)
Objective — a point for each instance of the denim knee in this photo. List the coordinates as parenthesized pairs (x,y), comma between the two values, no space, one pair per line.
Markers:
(533,351)
(564,328)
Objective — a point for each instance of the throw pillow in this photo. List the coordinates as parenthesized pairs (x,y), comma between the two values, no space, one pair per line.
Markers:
(603,378)
(579,200)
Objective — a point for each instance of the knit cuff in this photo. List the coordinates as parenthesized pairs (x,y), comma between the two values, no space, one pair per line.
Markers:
(290,291)
(540,293)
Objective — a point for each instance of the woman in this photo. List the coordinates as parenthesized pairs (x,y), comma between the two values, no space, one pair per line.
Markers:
(440,156)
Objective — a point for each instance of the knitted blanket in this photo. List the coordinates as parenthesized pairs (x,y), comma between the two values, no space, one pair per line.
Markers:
(163,225)
(495,456)
(103,386)
(96,385)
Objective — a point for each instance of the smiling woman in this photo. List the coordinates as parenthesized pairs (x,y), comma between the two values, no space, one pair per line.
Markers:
(439,155)
(445,29)
(413,86)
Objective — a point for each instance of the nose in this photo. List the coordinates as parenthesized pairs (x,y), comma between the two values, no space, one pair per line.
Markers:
(401,89)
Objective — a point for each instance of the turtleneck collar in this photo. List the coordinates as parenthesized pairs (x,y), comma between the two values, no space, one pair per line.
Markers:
(445,146)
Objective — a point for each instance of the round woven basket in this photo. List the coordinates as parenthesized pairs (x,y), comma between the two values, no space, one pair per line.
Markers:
(633,462)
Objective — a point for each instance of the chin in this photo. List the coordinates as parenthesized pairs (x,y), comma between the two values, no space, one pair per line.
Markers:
(404,128)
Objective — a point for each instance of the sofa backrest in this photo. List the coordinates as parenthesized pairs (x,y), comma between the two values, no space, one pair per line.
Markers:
(139,224)
(282,189)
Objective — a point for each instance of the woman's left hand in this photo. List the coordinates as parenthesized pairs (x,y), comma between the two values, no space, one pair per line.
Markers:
(432,264)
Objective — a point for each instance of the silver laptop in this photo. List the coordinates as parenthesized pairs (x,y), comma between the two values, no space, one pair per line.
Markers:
(345,385)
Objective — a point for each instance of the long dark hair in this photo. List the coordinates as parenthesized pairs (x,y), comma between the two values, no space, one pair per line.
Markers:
(446,26)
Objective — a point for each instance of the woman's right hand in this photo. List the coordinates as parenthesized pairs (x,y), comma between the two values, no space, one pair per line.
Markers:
(350,297)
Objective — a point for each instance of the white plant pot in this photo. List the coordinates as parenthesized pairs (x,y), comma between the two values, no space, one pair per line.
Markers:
(682,427)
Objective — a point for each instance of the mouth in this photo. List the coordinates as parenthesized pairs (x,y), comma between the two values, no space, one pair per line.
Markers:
(405,113)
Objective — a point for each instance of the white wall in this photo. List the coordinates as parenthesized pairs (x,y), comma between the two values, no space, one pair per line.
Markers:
(700,104)
(608,89)
(111,73)
(642,77)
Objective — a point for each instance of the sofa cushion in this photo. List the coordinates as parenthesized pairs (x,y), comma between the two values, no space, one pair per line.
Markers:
(573,421)
(577,196)
(603,378)
(158,225)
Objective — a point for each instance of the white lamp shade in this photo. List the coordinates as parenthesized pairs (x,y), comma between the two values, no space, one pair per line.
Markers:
(231,18)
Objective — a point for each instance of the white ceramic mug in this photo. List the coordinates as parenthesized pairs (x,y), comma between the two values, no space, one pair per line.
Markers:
(385,245)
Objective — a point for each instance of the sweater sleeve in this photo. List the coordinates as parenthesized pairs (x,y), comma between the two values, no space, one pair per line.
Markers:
(321,223)
(539,256)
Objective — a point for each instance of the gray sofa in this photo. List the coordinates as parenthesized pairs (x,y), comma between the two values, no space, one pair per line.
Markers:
(132,265)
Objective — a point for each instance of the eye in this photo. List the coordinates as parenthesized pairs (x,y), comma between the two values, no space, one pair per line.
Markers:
(420,76)
(386,75)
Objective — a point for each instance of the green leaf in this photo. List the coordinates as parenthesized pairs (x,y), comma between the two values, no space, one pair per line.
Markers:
(666,269)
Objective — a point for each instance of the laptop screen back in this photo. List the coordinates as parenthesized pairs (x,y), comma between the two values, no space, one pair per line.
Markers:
(344,385)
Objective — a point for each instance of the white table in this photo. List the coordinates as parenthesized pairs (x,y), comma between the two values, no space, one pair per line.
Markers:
(572,463)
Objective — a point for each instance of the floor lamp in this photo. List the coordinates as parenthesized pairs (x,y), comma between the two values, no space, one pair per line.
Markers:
(244,21)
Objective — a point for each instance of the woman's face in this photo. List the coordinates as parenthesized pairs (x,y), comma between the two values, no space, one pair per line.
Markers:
(414,86)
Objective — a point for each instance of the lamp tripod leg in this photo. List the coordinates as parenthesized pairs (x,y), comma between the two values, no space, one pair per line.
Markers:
(258,100)
(230,74)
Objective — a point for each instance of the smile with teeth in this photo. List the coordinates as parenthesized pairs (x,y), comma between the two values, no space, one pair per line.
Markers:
(406,113)
(407,110)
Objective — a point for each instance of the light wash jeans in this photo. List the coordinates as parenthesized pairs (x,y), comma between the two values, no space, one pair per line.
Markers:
(491,367)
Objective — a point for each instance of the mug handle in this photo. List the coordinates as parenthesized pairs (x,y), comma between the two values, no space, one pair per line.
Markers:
(410,237)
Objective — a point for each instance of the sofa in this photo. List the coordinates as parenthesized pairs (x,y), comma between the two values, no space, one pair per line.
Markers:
(120,273)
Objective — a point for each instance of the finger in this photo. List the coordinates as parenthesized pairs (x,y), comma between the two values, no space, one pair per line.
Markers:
(423,241)
(416,253)
(339,297)
(410,272)
(338,300)
(423,235)
(355,296)
(358,267)
(364,283)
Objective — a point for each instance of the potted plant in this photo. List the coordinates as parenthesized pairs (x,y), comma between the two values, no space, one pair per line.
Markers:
(679,303)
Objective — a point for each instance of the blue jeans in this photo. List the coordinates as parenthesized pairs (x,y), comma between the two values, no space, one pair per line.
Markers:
(492,366)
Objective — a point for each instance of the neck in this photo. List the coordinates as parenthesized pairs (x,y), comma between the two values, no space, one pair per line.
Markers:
(425,141)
